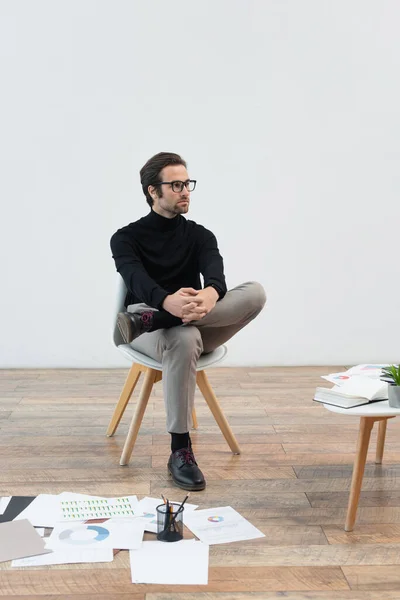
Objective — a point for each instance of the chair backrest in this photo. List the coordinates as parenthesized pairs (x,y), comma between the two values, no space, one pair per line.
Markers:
(118,307)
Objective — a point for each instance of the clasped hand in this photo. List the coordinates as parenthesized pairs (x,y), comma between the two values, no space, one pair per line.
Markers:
(191,305)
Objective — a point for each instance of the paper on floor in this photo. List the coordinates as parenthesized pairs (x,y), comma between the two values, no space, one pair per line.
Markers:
(4,501)
(103,508)
(184,562)
(43,511)
(220,525)
(64,557)
(121,535)
(46,509)
(19,539)
(77,496)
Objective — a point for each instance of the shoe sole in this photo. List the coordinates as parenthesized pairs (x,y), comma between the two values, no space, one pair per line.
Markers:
(189,488)
(124,325)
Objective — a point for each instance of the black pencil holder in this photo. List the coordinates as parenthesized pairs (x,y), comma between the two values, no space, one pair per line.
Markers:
(169,522)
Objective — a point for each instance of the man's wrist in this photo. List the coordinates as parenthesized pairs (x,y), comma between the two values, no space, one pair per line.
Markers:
(165,302)
(215,293)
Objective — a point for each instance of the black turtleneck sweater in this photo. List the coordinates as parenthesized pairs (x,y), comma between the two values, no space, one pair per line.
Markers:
(158,256)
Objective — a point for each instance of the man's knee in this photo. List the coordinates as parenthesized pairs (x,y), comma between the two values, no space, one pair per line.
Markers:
(190,340)
(186,340)
(256,295)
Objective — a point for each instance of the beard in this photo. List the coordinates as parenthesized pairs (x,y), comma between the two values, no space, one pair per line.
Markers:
(182,208)
(176,209)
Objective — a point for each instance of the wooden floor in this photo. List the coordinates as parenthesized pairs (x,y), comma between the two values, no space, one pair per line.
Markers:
(291,481)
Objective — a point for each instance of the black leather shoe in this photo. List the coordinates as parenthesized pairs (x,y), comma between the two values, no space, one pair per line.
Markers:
(184,470)
(131,325)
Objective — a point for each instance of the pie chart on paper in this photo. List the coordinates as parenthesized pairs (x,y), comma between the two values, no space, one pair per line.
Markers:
(82,534)
(151,516)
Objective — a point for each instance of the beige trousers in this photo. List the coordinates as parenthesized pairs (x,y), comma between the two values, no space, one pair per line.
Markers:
(179,348)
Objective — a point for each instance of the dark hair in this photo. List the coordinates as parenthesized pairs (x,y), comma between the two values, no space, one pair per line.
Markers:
(150,172)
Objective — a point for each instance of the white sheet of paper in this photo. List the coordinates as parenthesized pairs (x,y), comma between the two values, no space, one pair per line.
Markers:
(184,562)
(43,511)
(118,534)
(221,525)
(76,496)
(358,385)
(148,507)
(64,557)
(4,500)
(364,387)
(337,378)
(103,508)
(373,371)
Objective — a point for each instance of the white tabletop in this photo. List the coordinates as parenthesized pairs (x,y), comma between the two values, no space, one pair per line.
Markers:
(374,409)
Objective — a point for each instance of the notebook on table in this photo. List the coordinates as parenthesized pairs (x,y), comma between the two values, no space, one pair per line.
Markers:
(355,392)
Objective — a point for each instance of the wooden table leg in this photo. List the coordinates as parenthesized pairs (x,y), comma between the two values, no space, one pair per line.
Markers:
(366,424)
(381,441)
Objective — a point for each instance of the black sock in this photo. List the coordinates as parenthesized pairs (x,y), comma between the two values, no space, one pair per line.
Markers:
(179,440)
(164,320)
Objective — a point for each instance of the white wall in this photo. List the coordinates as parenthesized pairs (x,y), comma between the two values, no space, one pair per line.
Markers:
(288,114)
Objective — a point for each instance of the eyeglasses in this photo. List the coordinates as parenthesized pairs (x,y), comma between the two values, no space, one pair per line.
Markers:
(177,186)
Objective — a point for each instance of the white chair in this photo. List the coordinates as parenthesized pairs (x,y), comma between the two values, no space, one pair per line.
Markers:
(152,373)
(369,414)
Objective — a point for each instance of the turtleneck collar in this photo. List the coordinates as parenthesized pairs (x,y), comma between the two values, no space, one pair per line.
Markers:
(156,221)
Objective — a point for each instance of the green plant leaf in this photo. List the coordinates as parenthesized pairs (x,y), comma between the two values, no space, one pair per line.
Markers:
(394,372)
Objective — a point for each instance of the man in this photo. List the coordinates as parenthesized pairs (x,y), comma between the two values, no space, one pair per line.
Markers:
(169,317)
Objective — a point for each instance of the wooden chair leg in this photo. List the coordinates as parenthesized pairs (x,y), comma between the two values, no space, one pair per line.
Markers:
(211,399)
(366,424)
(129,386)
(195,424)
(158,376)
(381,441)
(149,379)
